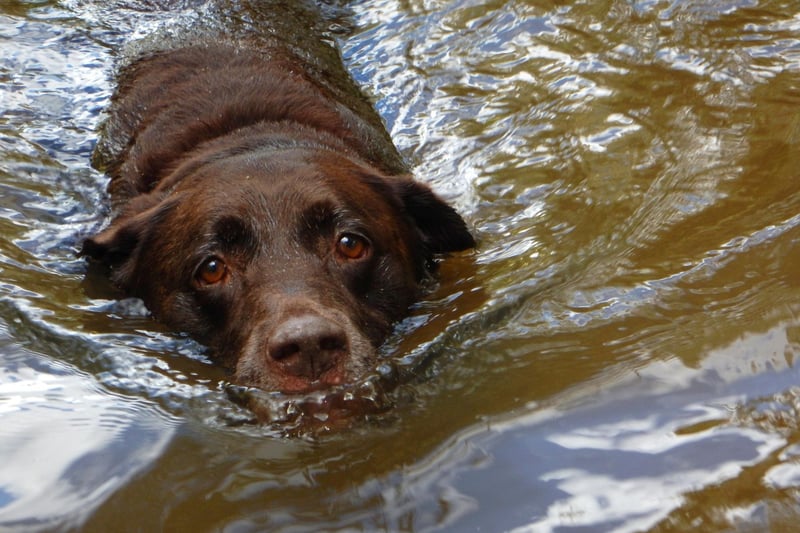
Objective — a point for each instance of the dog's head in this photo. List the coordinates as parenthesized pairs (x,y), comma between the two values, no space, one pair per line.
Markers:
(292,269)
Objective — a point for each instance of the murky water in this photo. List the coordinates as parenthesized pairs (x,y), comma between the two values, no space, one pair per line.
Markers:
(620,354)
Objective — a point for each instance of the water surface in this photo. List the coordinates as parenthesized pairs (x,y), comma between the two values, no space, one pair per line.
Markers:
(621,352)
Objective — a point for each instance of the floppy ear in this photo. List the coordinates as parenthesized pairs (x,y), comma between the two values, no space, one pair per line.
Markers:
(117,245)
(442,229)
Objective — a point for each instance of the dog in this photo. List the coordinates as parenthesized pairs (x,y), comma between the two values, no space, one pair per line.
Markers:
(261,207)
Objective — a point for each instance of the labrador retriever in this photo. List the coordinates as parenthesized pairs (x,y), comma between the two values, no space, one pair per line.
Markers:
(261,207)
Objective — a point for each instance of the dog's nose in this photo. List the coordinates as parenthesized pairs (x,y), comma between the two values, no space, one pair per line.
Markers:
(307,346)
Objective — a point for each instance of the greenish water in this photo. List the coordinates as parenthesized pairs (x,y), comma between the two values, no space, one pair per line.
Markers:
(620,354)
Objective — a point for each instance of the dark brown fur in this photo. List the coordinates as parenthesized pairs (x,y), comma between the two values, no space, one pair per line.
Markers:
(266,163)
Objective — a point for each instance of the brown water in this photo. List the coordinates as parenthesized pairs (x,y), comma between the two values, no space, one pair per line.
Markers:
(621,353)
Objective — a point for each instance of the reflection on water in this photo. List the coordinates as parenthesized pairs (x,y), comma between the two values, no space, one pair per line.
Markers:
(66,445)
(653,438)
(621,353)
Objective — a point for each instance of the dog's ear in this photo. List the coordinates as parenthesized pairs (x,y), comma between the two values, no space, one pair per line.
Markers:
(117,245)
(441,227)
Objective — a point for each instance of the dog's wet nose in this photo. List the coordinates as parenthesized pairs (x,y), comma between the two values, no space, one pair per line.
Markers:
(307,346)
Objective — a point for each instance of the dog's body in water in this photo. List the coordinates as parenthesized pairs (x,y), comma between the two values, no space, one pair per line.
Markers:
(261,207)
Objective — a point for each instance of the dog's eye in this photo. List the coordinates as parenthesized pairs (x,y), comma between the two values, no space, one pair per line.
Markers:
(351,246)
(212,271)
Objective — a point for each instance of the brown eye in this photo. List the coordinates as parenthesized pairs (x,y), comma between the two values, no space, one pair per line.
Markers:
(351,246)
(212,271)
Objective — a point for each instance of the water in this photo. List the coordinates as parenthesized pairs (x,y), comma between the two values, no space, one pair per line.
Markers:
(621,353)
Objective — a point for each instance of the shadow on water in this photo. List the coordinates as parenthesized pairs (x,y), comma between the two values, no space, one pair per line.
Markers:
(620,354)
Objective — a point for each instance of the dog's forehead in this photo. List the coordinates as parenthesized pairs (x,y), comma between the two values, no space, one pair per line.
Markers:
(278,193)
(276,196)
(272,174)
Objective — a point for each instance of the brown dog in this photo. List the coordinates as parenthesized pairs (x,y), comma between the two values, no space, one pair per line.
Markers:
(261,207)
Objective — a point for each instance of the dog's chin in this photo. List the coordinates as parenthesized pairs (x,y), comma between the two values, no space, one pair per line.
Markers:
(315,412)
(297,385)
(259,376)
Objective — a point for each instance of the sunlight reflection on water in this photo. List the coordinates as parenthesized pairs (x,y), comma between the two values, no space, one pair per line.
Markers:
(620,354)
(66,444)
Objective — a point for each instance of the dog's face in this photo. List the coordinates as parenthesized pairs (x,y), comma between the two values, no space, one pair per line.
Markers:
(292,269)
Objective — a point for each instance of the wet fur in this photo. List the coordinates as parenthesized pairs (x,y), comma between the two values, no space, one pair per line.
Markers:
(247,153)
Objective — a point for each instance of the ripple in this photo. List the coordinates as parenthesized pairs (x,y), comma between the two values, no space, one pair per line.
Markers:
(39,399)
(620,353)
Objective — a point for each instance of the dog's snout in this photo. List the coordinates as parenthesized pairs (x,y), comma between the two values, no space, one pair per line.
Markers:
(307,346)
